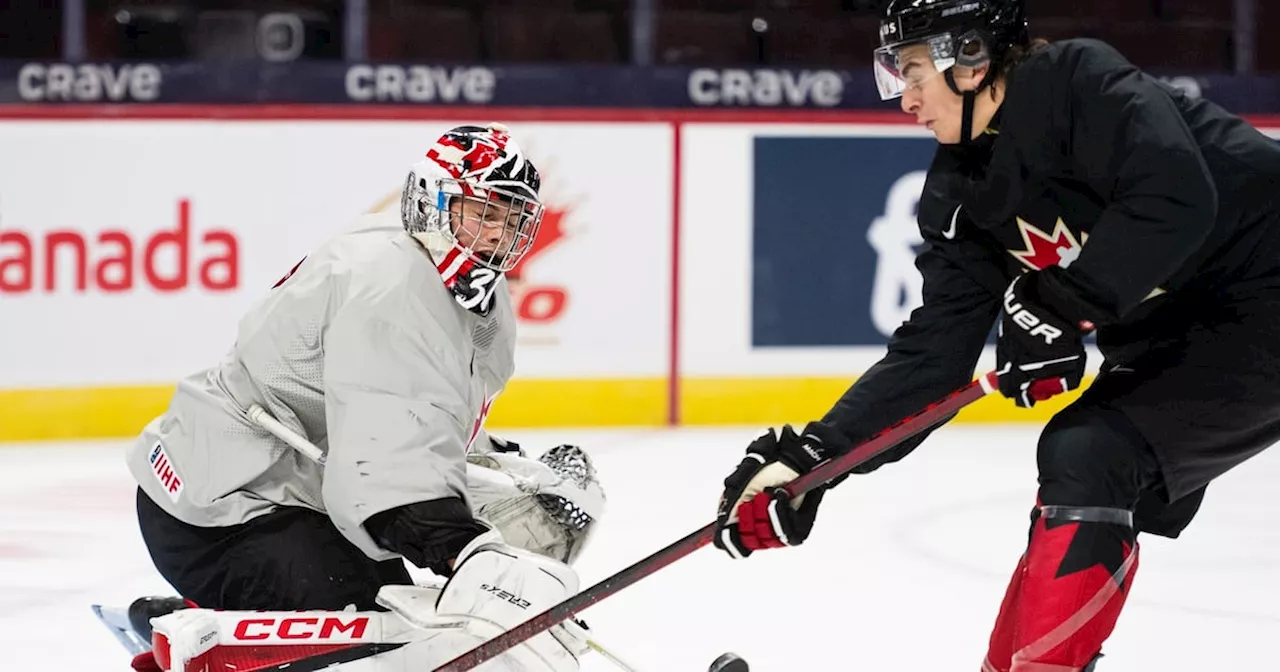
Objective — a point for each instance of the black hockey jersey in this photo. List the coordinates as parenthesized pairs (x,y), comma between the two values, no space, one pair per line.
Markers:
(1138,202)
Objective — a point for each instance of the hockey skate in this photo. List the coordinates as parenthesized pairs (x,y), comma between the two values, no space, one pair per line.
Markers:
(131,626)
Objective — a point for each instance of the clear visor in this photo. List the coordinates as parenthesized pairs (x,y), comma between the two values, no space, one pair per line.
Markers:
(493,226)
(908,65)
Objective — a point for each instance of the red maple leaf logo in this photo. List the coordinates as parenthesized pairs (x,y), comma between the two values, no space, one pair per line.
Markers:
(1043,250)
(550,231)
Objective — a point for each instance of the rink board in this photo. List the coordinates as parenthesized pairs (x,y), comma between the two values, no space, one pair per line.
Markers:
(695,267)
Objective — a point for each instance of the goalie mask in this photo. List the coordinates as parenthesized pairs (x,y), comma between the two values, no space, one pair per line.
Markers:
(472,202)
(549,506)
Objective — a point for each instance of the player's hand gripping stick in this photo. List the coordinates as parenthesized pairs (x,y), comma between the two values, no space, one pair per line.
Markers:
(890,437)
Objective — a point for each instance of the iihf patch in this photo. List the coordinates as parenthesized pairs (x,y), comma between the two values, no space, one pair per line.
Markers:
(164,472)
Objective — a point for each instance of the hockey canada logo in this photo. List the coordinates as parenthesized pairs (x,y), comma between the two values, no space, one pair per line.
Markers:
(1059,248)
(538,303)
(1042,250)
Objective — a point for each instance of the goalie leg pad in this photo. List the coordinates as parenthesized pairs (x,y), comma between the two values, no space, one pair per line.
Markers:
(496,587)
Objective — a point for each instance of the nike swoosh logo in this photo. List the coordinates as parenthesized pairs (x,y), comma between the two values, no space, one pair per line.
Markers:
(950,234)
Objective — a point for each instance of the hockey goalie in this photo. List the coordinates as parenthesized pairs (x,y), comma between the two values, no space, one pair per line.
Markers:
(284,489)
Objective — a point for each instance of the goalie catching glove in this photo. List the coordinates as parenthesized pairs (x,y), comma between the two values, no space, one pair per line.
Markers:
(754,512)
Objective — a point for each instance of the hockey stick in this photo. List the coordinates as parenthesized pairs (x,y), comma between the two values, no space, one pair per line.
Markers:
(903,430)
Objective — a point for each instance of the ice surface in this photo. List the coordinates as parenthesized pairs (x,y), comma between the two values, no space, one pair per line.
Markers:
(904,571)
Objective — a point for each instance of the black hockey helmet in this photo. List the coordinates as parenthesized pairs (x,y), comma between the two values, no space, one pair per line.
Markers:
(957,32)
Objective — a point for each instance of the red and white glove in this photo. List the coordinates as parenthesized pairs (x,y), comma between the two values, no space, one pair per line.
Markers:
(754,511)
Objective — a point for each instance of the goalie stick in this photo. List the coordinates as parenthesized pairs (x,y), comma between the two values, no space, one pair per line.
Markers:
(928,417)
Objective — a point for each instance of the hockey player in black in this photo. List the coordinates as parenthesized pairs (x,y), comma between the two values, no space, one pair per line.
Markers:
(1070,193)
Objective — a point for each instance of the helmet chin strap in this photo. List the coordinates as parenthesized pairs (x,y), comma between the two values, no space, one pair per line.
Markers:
(969,98)
(966,117)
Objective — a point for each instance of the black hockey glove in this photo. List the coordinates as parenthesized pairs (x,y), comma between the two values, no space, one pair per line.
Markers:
(754,512)
(1039,354)
(429,534)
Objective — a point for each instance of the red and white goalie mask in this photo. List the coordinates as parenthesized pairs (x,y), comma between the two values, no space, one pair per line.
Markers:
(473,204)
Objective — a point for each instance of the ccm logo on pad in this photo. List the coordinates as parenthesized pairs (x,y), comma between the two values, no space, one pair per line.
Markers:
(327,628)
